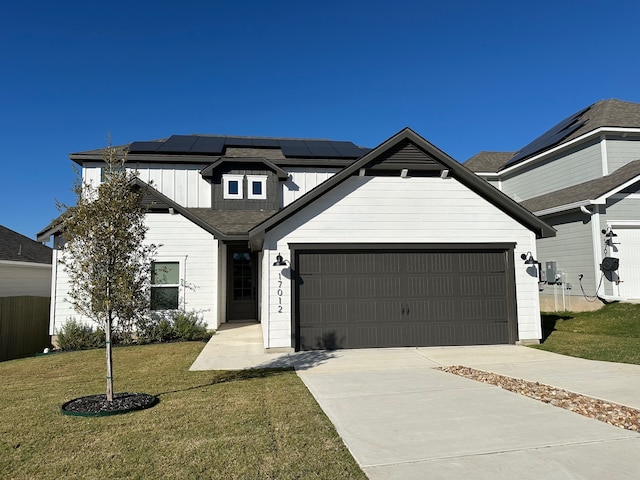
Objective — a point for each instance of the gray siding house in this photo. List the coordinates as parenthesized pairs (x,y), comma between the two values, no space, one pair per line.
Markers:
(330,245)
(582,177)
(25,266)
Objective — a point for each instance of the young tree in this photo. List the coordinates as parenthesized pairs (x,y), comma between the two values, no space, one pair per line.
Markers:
(104,255)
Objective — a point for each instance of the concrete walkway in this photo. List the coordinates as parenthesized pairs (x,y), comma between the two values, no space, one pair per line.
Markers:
(401,419)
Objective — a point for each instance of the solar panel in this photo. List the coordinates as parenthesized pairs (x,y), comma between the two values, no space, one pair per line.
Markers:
(146,147)
(348,149)
(213,145)
(551,137)
(322,149)
(294,148)
(178,144)
(238,142)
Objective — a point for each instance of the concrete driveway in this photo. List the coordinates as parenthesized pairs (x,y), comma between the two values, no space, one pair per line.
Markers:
(401,419)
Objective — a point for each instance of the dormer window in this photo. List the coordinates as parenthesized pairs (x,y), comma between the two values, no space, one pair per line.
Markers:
(257,187)
(233,186)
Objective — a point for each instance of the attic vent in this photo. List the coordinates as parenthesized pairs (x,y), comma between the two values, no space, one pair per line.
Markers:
(405,155)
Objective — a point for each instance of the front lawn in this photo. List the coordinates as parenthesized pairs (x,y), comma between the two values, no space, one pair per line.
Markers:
(224,425)
(610,334)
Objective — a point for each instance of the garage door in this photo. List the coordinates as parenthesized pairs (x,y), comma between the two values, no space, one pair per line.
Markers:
(628,251)
(361,299)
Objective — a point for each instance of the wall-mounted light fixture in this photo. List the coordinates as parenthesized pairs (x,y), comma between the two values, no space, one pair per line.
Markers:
(528,259)
(280,262)
(609,233)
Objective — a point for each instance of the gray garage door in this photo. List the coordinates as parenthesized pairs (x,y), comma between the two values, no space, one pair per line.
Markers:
(360,299)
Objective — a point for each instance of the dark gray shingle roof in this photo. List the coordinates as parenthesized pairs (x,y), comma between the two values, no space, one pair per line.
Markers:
(18,248)
(232,222)
(584,191)
(488,161)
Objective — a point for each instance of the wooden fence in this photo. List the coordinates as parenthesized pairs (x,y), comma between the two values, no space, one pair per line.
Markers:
(24,326)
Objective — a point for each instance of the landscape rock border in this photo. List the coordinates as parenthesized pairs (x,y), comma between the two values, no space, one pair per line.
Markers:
(617,415)
(98,406)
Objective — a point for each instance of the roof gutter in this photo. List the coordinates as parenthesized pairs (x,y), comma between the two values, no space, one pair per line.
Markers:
(568,206)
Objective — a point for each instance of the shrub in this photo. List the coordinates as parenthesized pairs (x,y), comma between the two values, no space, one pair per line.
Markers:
(189,326)
(74,335)
(171,326)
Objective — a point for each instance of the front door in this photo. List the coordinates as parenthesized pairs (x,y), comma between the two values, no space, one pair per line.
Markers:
(241,286)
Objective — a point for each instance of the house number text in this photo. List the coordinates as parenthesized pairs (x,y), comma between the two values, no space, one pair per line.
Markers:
(279,293)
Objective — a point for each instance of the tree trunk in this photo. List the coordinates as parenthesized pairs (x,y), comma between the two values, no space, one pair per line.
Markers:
(107,332)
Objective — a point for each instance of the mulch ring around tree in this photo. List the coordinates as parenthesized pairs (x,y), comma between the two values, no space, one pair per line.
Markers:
(98,406)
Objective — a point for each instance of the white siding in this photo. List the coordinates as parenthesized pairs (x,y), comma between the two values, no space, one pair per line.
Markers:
(622,151)
(559,171)
(301,180)
(623,215)
(24,278)
(178,240)
(393,210)
(181,183)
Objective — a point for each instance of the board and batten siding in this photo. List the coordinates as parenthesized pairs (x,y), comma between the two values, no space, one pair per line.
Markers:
(301,180)
(623,214)
(558,171)
(178,240)
(181,183)
(19,279)
(389,210)
(621,151)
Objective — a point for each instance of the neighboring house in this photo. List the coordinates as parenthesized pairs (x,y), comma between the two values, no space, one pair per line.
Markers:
(330,245)
(25,266)
(583,178)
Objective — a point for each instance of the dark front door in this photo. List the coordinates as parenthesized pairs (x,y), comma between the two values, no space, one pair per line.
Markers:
(241,286)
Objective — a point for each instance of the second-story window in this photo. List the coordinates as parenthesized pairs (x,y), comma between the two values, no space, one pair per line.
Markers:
(233,186)
(257,187)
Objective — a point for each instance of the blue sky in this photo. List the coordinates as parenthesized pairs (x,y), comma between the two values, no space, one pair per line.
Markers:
(466,75)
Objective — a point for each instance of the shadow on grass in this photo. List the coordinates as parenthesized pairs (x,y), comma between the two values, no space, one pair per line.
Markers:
(549,321)
(273,368)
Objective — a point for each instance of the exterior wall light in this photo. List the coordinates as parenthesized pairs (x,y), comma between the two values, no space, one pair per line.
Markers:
(280,262)
(528,259)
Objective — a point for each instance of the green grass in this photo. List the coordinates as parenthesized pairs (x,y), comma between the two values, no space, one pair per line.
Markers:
(224,425)
(611,334)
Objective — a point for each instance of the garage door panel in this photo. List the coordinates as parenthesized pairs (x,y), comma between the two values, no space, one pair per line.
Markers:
(433,262)
(362,311)
(410,298)
(315,338)
(429,310)
(437,286)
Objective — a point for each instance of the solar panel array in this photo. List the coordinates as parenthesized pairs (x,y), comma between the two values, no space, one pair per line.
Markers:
(195,144)
(550,138)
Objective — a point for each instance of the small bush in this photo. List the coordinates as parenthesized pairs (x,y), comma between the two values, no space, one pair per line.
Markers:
(188,326)
(171,326)
(77,336)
